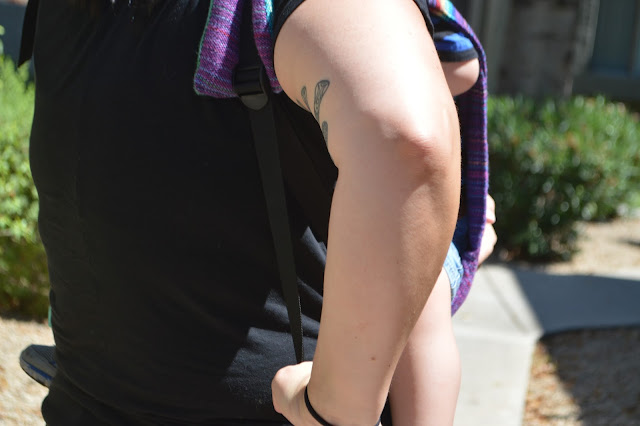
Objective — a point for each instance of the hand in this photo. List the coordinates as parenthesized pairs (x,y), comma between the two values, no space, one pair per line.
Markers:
(287,389)
(489,238)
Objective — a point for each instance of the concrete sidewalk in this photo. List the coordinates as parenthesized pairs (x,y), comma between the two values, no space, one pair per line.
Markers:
(507,311)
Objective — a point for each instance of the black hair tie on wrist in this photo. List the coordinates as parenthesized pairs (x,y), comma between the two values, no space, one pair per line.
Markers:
(315,414)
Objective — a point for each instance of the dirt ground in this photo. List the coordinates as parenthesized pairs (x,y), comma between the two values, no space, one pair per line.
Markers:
(583,378)
(590,377)
(20,397)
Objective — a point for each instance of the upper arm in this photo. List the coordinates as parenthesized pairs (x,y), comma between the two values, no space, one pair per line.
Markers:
(462,75)
(364,66)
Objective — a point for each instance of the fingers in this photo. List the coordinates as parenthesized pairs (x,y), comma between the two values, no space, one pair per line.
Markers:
(489,239)
(491,210)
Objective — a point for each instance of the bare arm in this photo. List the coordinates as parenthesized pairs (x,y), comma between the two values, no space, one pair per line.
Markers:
(461,76)
(426,382)
(392,131)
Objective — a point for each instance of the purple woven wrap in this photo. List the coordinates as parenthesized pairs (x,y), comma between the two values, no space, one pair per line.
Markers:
(472,111)
(220,47)
(218,57)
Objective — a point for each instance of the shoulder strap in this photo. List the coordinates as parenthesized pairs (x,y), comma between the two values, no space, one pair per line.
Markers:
(252,86)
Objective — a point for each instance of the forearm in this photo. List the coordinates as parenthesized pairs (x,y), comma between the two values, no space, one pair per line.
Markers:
(389,232)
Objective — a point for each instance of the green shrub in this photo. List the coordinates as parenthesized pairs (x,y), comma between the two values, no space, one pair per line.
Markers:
(556,162)
(23,273)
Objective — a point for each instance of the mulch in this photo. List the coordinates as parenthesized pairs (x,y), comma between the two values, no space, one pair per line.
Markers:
(20,396)
(587,377)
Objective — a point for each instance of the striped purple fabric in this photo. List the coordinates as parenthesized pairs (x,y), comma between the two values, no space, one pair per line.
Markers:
(219,56)
(472,111)
(264,43)
(220,45)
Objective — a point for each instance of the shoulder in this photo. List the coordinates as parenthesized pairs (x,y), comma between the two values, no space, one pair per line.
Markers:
(282,9)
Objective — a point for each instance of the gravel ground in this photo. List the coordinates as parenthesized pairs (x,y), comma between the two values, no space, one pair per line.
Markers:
(20,397)
(582,378)
(590,377)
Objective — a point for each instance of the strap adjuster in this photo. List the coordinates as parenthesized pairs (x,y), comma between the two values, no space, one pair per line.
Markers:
(251,85)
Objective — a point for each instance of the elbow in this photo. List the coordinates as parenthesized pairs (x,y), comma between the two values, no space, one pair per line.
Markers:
(430,149)
(430,160)
(408,145)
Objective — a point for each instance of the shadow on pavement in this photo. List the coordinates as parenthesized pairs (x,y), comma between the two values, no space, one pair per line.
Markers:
(592,329)
(573,302)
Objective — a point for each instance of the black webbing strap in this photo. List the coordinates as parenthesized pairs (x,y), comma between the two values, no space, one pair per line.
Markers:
(28,32)
(308,178)
(264,134)
(252,86)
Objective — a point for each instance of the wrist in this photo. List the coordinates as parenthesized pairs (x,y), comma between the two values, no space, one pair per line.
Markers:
(332,413)
(306,415)
(318,418)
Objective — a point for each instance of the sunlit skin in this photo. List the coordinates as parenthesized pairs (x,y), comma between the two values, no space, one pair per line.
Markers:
(461,76)
(392,130)
(382,277)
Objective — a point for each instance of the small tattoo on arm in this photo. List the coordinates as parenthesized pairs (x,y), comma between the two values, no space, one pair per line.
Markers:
(321,89)
(325,131)
(303,92)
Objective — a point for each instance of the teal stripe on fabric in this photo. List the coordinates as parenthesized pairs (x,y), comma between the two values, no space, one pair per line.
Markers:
(268,7)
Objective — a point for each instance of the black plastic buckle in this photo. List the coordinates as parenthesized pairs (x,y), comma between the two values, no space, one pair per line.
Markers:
(251,85)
